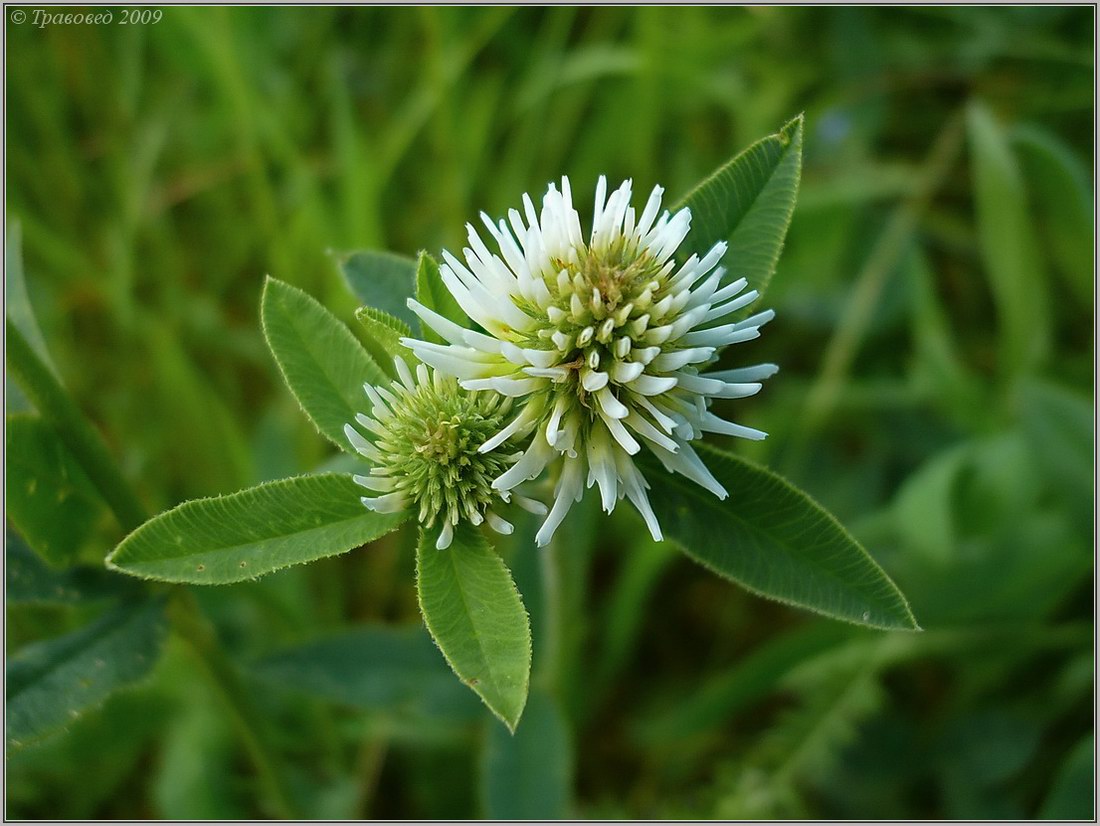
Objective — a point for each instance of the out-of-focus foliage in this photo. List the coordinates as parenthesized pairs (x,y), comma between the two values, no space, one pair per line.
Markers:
(934,330)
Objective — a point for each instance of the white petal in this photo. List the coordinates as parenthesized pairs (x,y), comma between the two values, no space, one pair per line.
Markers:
(648,385)
(687,462)
(757,372)
(712,424)
(445,537)
(505,386)
(380,484)
(361,445)
(404,374)
(499,525)
(611,405)
(624,372)
(530,465)
(729,291)
(707,386)
(722,310)
(720,336)
(681,358)
(593,380)
(601,468)
(648,432)
(453,332)
(521,423)
(390,503)
(531,505)
(635,486)
(652,207)
(621,434)
(556,374)
(569,489)
(370,424)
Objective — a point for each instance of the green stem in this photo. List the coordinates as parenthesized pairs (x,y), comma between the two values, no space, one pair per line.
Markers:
(225,678)
(553,608)
(372,756)
(57,407)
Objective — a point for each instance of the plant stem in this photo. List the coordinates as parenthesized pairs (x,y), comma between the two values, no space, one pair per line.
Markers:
(372,755)
(223,674)
(57,407)
(550,567)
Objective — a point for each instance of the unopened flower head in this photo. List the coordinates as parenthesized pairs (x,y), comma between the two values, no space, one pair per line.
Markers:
(425,432)
(603,337)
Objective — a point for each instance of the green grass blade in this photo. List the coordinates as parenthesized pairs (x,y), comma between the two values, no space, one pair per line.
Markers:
(1008,245)
(1062,195)
(253,532)
(528,775)
(19,307)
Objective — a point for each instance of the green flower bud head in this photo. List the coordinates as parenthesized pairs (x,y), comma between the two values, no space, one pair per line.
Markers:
(425,434)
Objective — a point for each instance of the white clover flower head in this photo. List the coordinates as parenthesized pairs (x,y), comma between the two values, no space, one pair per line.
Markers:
(604,338)
(423,447)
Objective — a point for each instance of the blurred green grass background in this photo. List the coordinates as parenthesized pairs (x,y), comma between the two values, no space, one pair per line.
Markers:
(934,331)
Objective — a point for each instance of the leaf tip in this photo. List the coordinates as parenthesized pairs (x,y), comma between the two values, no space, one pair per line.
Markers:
(792,130)
(511,719)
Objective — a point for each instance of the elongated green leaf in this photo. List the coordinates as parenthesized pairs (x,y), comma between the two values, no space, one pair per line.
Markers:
(254,532)
(1058,424)
(1072,795)
(924,507)
(51,683)
(56,407)
(18,300)
(803,743)
(1008,245)
(751,679)
(30,581)
(383,280)
(939,369)
(774,540)
(190,787)
(476,617)
(1060,186)
(529,775)
(749,202)
(323,364)
(49,497)
(377,668)
(433,294)
(627,606)
(383,337)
